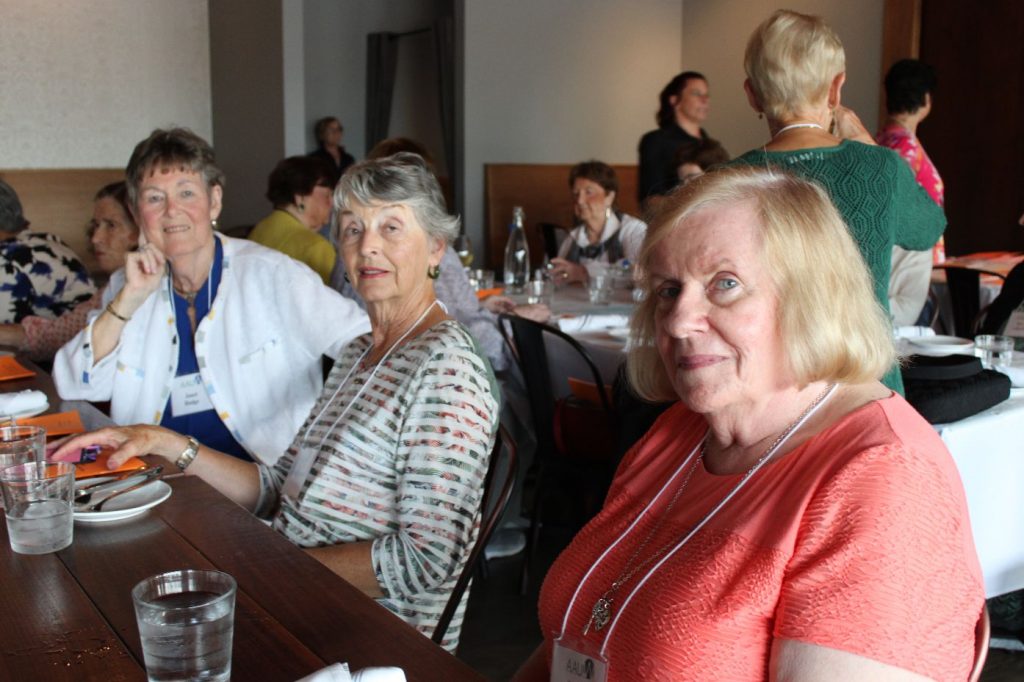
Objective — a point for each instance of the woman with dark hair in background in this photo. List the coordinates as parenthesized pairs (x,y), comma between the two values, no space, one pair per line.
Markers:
(300,188)
(604,234)
(328,131)
(683,107)
(112,234)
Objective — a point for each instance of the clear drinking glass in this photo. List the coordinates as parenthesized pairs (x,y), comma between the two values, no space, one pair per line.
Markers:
(540,291)
(20,444)
(37,501)
(599,289)
(186,622)
(994,350)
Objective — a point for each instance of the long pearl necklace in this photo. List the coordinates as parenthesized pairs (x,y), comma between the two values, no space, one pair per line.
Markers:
(794,126)
(601,613)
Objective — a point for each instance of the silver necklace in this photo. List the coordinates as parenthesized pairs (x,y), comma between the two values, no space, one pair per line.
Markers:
(601,613)
(794,126)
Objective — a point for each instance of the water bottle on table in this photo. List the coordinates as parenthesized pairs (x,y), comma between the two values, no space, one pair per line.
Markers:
(517,255)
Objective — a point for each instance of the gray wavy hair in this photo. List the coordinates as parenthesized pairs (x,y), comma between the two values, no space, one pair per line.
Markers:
(402,178)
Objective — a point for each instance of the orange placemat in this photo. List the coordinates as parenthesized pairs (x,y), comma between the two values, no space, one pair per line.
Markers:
(12,369)
(58,424)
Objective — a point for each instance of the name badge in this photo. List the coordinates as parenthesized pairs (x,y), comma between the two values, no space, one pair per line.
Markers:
(188,395)
(574,661)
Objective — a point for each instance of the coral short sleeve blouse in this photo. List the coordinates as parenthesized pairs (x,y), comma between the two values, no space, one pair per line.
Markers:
(858,540)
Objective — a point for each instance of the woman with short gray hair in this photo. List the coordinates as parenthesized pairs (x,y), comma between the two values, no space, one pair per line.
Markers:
(383,482)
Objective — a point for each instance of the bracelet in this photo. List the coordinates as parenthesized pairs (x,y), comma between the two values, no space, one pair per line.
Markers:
(188,454)
(110,309)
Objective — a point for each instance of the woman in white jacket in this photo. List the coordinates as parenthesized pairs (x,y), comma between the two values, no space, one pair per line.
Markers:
(216,338)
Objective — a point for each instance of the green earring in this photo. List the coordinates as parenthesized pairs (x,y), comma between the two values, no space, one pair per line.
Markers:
(434,271)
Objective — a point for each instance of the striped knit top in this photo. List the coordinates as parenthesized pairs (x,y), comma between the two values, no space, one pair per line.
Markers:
(400,462)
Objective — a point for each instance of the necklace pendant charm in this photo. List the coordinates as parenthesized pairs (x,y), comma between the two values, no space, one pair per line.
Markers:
(601,614)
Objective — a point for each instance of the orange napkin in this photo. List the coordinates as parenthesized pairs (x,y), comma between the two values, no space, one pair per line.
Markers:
(59,424)
(99,467)
(12,369)
(484,293)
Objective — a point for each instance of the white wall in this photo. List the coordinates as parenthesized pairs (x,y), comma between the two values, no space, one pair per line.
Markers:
(715,34)
(84,80)
(335,67)
(560,81)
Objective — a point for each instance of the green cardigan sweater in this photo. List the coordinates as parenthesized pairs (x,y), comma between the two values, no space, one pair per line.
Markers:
(878,197)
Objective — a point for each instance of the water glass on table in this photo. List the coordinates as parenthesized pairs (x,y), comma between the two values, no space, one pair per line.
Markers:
(994,350)
(540,291)
(599,289)
(20,444)
(481,280)
(186,623)
(37,501)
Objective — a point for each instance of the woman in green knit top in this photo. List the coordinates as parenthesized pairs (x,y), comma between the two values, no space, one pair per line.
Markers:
(795,68)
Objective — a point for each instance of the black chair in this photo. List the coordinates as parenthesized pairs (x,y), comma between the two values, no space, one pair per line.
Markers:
(1009,299)
(498,483)
(964,286)
(588,452)
(553,235)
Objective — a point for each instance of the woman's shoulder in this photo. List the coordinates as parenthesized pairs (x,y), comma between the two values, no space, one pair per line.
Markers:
(629,222)
(448,338)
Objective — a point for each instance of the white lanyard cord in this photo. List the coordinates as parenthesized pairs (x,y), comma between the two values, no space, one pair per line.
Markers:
(306,455)
(593,567)
(709,515)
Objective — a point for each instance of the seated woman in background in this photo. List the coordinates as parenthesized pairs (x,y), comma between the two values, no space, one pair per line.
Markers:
(112,234)
(696,158)
(213,337)
(790,518)
(300,189)
(604,234)
(39,274)
(796,68)
(383,483)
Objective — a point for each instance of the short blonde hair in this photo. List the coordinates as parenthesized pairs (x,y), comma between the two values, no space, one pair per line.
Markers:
(791,60)
(830,322)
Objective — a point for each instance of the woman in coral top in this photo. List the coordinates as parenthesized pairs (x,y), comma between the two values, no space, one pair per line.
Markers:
(789,518)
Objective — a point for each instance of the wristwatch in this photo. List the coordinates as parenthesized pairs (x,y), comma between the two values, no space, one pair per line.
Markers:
(188,454)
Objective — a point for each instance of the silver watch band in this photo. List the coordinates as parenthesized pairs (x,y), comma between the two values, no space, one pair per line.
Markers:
(188,454)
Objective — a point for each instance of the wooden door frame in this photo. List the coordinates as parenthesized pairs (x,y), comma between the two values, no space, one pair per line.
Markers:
(901,39)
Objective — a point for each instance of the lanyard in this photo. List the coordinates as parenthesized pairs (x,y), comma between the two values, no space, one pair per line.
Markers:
(703,522)
(307,455)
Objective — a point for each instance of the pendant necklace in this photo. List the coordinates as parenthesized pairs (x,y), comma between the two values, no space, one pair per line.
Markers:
(601,613)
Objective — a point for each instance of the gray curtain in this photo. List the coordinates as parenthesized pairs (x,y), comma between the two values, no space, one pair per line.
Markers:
(381,60)
(444,48)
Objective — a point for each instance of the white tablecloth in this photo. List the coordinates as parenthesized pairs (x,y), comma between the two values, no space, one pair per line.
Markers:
(988,449)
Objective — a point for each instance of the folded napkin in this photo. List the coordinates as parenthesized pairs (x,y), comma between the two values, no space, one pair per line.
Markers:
(589,323)
(339,673)
(21,401)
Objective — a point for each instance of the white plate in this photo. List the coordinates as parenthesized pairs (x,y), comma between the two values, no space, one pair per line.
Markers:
(31,412)
(941,345)
(127,505)
(618,332)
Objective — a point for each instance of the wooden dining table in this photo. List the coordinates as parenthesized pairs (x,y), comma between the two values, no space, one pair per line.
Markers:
(69,615)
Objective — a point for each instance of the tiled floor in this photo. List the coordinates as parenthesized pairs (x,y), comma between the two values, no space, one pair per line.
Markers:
(501,631)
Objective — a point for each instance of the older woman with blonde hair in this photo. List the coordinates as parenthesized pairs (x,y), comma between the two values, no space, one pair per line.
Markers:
(383,482)
(790,517)
(796,68)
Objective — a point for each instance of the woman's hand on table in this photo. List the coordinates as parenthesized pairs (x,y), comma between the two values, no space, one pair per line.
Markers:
(564,271)
(126,441)
(538,312)
(499,304)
